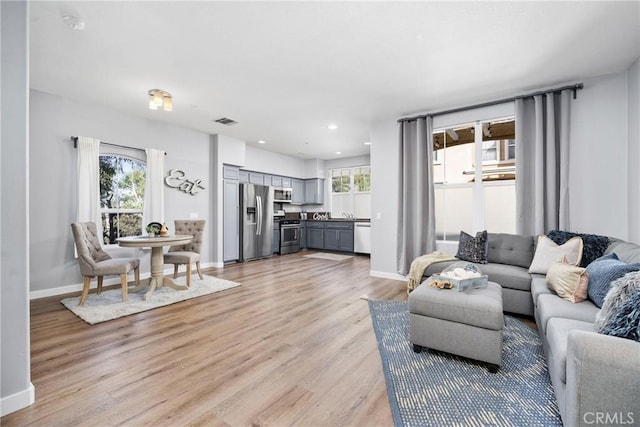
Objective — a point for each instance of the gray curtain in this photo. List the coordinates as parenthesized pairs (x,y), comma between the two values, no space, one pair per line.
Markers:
(416,212)
(542,163)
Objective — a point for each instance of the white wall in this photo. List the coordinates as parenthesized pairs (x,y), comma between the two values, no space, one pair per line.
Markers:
(599,179)
(52,182)
(598,170)
(633,134)
(273,163)
(16,390)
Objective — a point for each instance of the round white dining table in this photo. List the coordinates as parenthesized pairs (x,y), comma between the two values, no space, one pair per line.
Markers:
(157,279)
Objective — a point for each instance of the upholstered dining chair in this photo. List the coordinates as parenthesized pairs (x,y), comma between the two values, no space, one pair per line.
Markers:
(95,262)
(190,252)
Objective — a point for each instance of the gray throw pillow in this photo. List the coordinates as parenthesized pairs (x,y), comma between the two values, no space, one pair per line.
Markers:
(620,314)
(473,249)
(602,272)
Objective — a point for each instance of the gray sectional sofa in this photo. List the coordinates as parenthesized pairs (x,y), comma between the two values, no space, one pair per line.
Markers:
(596,377)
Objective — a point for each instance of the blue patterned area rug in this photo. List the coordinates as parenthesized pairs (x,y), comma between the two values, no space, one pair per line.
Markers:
(438,389)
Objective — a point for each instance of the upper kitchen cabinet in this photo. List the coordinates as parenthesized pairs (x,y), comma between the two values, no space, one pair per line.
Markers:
(286,182)
(297,191)
(276,181)
(257,178)
(230,172)
(314,191)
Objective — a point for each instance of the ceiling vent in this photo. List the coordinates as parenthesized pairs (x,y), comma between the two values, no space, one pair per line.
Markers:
(226,121)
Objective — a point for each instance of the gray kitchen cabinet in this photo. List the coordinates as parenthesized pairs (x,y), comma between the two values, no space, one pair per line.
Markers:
(231,221)
(297,191)
(230,172)
(338,236)
(256,178)
(303,234)
(314,191)
(276,237)
(315,235)
(286,182)
(243,176)
(276,181)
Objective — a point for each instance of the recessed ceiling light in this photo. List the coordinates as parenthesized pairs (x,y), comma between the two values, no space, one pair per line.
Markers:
(262,142)
(338,152)
(332,126)
(367,143)
(73,22)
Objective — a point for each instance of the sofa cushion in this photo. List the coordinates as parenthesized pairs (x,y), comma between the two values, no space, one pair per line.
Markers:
(568,281)
(508,276)
(539,287)
(620,313)
(594,245)
(510,249)
(547,252)
(558,341)
(626,251)
(550,306)
(602,272)
(473,249)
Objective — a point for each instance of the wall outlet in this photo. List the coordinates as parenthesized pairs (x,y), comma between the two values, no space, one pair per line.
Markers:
(193,215)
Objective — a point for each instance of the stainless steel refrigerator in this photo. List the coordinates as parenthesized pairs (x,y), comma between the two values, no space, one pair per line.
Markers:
(256,221)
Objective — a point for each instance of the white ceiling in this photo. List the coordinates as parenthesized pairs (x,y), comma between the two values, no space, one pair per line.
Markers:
(286,70)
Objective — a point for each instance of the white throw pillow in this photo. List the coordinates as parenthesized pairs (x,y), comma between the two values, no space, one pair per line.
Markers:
(548,252)
(568,281)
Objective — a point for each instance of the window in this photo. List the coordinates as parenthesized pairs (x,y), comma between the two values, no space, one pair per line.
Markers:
(121,196)
(351,192)
(470,197)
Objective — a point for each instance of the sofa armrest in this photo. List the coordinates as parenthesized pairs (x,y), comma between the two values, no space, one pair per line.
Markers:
(603,380)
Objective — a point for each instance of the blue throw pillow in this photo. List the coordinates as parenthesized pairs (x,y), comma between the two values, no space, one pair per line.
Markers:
(602,272)
(593,245)
(625,321)
(473,249)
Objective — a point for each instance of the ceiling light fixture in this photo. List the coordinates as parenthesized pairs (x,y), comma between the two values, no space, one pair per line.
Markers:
(262,141)
(338,152)
(160,99)
(367,143)
(332,126)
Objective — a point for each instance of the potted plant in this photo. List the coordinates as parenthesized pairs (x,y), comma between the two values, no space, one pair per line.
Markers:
(153,228)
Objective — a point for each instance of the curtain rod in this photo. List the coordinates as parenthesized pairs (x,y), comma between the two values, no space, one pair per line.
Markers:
(75,145)
(574,88)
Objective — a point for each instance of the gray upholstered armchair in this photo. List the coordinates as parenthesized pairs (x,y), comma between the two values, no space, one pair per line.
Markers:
(96,262)
(189,253)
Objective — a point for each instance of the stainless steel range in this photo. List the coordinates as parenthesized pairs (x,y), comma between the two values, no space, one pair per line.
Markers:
(289,236)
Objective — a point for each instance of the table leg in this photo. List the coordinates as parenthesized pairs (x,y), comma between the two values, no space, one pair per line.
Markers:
(157,276)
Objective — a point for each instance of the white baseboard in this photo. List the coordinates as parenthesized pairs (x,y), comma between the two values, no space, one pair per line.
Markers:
(17,401)
(113,280)
(385,275)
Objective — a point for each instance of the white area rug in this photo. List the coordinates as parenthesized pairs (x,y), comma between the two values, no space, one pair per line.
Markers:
(331,257)
(108,305)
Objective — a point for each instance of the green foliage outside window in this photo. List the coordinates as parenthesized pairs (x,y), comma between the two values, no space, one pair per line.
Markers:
(121,196)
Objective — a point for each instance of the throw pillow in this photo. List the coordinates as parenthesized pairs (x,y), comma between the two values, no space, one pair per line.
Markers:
(602,272)
(594,245)
(548,252)
(619,292)
(568,281)
(625,321)
(473,249)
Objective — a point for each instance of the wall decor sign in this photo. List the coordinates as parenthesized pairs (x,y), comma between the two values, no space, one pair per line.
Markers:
(176,179)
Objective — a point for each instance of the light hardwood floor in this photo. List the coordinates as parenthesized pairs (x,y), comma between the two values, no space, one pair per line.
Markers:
(293,345)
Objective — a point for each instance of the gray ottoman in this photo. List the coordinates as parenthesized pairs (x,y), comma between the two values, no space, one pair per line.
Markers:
(467,324)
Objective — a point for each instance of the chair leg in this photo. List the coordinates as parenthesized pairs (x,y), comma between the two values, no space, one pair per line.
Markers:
(124,284)
(199,271)
(188,274)
(136,274)
(175,271)
(85,290)
(99,288)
